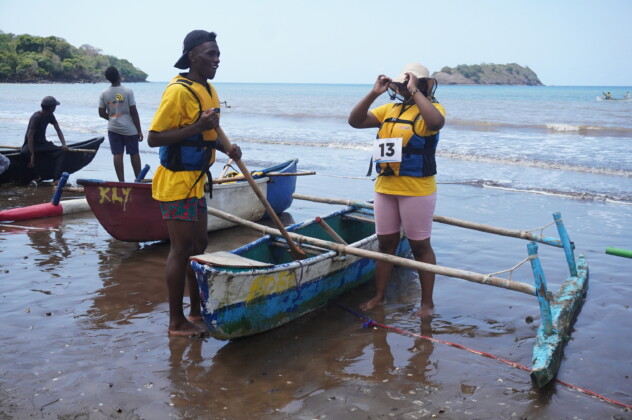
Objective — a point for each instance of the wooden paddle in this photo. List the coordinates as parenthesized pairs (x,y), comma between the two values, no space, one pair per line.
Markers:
(330,231)
(392,259)
(296,252)
(69,149)
(226,168)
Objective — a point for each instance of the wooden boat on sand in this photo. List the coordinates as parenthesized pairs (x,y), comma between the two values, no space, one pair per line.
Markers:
(258,286)
(79,156)
(127,211)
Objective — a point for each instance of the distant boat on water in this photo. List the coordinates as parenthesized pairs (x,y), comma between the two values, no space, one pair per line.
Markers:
(625,97)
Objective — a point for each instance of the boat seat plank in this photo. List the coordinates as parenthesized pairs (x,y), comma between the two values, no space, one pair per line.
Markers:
(312,248)
(228,259)
(359,217)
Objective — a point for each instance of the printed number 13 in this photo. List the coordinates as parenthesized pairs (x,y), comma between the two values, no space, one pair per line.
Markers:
(390,149)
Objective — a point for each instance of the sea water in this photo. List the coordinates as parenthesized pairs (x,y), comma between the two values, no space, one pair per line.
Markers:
(549,140)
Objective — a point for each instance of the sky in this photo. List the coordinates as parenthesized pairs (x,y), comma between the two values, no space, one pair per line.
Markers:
(567,43)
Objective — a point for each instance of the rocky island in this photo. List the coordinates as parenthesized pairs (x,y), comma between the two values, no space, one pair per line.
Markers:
(487,74)
(34,59)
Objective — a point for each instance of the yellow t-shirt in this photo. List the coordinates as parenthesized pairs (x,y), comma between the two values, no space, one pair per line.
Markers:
(179,108)
(404,185)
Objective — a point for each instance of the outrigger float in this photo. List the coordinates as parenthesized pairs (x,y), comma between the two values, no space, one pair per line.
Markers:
(259,286)
(54,208)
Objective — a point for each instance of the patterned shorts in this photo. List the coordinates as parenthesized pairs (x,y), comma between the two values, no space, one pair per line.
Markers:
(188,209)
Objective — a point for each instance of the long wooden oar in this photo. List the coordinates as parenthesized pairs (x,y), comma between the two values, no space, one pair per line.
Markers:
(330,231)
(392,259)
(521,234)
(69,149)
(296,252)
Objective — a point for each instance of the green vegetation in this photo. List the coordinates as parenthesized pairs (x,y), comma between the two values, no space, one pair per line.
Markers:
(488,74)
(26,58)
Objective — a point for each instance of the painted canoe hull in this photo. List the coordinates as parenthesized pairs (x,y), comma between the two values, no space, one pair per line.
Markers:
(39,211)
(127,211)
(20,173)
(547,351)
(241,302)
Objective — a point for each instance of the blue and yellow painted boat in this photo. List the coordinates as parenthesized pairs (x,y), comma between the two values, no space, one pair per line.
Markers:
(259,286)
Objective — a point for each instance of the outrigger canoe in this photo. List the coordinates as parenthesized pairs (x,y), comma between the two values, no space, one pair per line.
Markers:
(127,211)
(79,156)
(258,287)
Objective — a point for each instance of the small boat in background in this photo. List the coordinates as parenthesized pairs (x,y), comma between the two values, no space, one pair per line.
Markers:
(127,211)
(625,97)
(79,156)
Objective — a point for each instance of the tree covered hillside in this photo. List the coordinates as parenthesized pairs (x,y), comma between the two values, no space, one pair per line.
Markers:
(487,74)
(28,59)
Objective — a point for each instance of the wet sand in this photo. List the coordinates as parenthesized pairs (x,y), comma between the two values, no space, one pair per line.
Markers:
(84,321)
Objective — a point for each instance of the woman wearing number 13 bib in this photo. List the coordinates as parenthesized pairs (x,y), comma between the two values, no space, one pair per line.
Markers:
(405,191)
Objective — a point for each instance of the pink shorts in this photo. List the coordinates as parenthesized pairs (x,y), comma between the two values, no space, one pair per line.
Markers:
(413,213)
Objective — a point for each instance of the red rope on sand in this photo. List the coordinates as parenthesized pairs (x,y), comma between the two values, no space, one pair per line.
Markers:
(370,323)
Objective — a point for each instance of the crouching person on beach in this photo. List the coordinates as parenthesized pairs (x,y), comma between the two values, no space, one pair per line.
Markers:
(404,156)
(184,129)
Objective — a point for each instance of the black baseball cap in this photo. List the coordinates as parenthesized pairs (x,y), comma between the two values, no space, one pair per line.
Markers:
(192,40)
(49,101)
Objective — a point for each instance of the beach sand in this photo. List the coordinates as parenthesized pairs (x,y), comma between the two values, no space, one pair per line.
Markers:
(84,326)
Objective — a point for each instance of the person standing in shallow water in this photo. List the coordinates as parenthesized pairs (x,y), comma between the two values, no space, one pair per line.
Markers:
(184,129)
(36,147)
(117,105)
(405,189)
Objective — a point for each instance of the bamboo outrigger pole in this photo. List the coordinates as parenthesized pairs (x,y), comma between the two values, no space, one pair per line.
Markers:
(364,253)
(296,252)
(222,180)
(521,234)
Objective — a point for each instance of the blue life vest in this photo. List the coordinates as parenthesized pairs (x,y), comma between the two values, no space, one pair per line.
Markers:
(418,155)
(185,155)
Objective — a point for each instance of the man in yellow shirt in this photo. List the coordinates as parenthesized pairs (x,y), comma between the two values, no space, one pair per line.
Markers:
(184,129)
(405,190)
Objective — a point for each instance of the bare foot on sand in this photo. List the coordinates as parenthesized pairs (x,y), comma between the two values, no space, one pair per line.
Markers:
(426,311)
(370,304)
(187,330)
(196,319)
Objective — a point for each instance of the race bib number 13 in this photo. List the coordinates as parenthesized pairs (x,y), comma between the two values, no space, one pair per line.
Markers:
(387,150)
